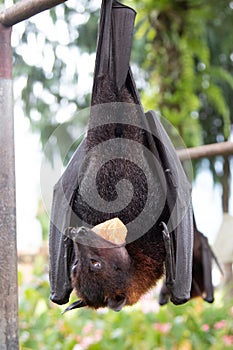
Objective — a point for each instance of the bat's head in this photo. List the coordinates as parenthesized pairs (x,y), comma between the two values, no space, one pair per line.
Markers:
(101,271)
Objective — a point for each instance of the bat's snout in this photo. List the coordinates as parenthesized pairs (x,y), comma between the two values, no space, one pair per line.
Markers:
(179,300)
(85,236)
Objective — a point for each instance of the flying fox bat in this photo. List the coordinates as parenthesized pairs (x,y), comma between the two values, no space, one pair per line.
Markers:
(126,167)
(203,256)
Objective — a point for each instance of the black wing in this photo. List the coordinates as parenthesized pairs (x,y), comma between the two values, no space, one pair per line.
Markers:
(178,231)
(61,252)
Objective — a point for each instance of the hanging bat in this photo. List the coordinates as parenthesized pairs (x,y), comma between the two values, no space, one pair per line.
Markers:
(126,168)
(203,256)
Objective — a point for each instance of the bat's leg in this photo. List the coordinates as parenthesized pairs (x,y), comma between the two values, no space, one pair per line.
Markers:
(169,260)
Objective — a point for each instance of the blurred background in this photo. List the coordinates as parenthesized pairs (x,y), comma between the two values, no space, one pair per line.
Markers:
(182,61)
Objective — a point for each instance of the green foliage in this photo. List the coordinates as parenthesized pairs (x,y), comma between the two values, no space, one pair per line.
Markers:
(195,325)
(179,53)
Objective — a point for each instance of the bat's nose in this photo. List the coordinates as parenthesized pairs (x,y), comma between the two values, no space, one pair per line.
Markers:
(179,300)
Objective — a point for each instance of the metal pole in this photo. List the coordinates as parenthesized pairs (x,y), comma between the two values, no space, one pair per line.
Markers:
(26,8)
(8,251)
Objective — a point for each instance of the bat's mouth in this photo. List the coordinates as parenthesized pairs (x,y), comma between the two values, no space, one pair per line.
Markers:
(115,304)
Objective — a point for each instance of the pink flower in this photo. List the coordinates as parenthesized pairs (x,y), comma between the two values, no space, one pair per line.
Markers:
(163,328)
(205,327)
(90,336)
(228,340)
(220,324)
(88,328)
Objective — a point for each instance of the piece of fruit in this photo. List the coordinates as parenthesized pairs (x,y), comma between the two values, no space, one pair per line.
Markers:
(112,230)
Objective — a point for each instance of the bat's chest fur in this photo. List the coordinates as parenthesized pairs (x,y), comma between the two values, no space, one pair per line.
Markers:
(148,260)
(116,178)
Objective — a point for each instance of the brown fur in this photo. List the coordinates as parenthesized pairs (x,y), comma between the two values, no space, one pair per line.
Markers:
(147,271)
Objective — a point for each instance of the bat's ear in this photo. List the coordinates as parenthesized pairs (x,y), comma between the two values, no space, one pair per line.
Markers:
(117,303)
(75,305)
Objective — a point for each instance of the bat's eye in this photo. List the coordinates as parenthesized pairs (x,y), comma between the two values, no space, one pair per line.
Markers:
(95,264)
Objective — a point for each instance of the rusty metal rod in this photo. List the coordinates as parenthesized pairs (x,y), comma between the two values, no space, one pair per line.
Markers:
(8,251)
(206,151)
(24,9)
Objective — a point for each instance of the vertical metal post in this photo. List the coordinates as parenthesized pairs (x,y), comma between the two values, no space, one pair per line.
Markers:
(8,251)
